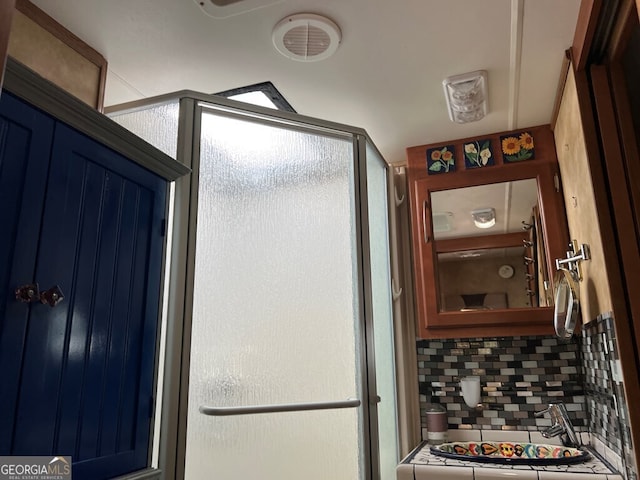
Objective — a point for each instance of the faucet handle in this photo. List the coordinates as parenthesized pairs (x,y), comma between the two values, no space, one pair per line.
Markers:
(542,412)
(553,431)
(551,409)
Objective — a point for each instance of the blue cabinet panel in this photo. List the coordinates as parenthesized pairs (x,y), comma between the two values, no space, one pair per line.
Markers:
(25,144)
(87,368)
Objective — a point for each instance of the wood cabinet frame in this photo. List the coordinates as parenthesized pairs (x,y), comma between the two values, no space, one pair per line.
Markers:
(65,45)
(6,14)
(514,321)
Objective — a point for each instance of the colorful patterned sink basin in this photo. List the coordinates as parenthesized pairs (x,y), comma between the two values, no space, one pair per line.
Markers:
(511,452)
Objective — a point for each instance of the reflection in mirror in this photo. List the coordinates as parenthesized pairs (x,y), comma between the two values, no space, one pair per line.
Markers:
(487,279)
(512,202)
(487,246)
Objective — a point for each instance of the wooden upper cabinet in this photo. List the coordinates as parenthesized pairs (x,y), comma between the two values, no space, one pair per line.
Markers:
(493,281)
(53,52)
(6,14)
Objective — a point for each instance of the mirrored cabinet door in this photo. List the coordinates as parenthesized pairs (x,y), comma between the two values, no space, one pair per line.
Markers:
(484,240)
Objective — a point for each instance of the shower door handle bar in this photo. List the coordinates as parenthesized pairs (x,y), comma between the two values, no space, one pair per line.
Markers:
(285,407)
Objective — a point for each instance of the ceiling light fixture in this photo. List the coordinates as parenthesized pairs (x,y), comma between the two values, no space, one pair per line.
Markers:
(484,217)
(466,96)
(306,37)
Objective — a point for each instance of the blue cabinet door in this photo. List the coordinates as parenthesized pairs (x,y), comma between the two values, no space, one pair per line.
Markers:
(87,370)
(25,145)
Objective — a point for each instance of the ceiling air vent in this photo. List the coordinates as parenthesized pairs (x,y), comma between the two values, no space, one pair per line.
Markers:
(306,37)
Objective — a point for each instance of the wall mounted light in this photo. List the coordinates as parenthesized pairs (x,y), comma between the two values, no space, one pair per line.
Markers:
(484,217)
(466,96)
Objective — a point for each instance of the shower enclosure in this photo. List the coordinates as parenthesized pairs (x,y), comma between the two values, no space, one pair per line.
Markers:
(277,349)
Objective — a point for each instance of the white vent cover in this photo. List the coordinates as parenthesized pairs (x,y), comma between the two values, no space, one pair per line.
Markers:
(306,37)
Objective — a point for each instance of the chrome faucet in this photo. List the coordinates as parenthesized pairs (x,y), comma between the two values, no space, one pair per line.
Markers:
(561,425)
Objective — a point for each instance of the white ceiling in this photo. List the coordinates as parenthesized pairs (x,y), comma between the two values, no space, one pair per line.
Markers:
(513,203)
(386,77)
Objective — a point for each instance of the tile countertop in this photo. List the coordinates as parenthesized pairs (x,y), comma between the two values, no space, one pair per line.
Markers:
(421,464)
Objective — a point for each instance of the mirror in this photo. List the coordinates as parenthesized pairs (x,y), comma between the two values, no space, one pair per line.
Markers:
(487,279)
(565,315)
(488,245)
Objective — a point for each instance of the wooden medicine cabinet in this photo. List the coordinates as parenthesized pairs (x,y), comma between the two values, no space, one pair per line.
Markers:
(497,280)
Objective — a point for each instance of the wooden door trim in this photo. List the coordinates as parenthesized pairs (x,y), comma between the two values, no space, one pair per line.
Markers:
(630,153)
(564,72)
(586,26)
(623,265)
(621,31)
(619,187)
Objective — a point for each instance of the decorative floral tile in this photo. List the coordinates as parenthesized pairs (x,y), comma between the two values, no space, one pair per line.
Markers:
(516,148)
(478,154)
(441,160)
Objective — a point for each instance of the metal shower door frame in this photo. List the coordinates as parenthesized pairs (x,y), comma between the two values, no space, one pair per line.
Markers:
(180,305)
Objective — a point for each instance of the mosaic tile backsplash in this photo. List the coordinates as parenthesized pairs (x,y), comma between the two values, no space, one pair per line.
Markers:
(519,376)
(604,390)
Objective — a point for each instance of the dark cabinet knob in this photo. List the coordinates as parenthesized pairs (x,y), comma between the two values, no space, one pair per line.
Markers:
(52,297)
(28,293)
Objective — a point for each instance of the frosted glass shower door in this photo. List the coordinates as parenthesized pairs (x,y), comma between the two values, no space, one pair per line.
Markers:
(276,317)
